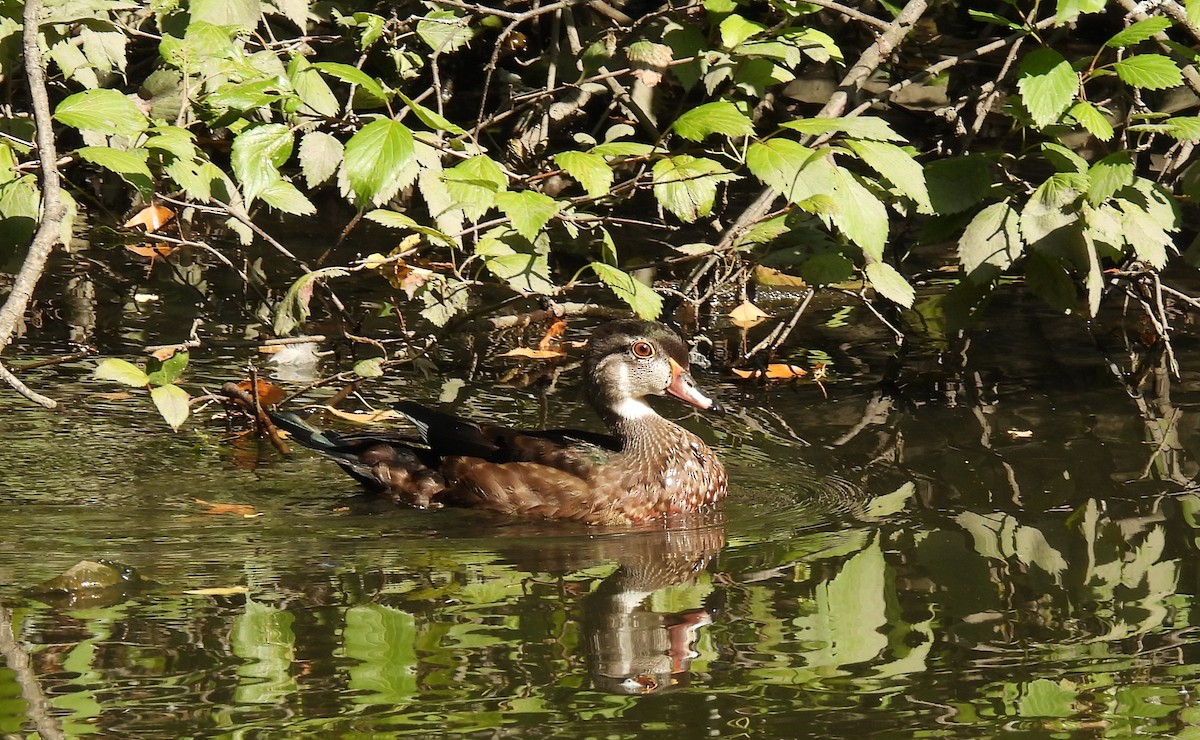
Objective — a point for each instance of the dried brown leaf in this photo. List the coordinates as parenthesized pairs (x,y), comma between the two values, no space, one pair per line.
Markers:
(218,591)
(774,371)
(747,315)
(269,394)
(242,510)
(372,417)
(153,217)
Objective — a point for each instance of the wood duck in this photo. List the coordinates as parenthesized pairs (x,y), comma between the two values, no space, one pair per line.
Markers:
(648,468)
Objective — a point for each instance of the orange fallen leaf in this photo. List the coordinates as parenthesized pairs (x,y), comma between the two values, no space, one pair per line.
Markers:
(775,371)
(115,396)
(771,276)
(153,251)
(747,315)
(242,510)
(162,354)
(218,591)
(269,394)
(534,354)
(153,217)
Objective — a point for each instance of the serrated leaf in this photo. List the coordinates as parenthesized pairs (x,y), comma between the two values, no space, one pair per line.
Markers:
(396,220)
(103,111)
(284,196)
(1063,159)
(444,31)
(474,183)
(375,159)
(780,163)
(735,29)
(122,372)
(1138,32)
(860,127)
(178,141)
(1069,10)
(687,186)
(1109,175)
(320,155)
(1048,85)
(640,297)
(430,117)
(1144,234)
(890,284)
(957,184)
(1090,117)
(130,165)
(524,265)
(859,214)
(356,77)
(993,237)
(172,403)
(293,309)
(1051,206)
(369,368)
(898,167)
(1149,71)
(311,87)
(592,172)
(257,154)
(528,211)
(623,149)
(721,117)
(1184,128)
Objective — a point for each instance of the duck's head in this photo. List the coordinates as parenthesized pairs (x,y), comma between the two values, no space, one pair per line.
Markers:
(629,360)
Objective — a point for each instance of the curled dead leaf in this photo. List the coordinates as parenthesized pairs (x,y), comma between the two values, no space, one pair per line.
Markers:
(747,315)
(555,331)
(535,354)
(775,278)
(153,217)
(151,251)
(371,417)
(774,371)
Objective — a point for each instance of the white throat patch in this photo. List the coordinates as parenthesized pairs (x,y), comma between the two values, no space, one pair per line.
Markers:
(634,408)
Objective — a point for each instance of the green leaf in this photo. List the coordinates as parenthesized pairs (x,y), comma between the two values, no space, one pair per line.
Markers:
(687,186)
(780,163)
(721,117)
(178,141)
(1109,175)
(1048,85)
(859,214)
(592,172)
(1050,280)
(1144,234)
(1184,128)
(1052,206)
(293,309)
(356,77)
(320,155)
(284,196)
(395,220)
(735,29)
(122,372)
(375,159)
(1069,10)
(1149,71)
(891,503)
(1090,117)
(130,165)
(172,403)
(860,127)
(890,284)
(528,211)
(430,117)
(522,264)
(898,167)
(640,297)
(257,154)
(311,88)
(242,13)
(103,111)
(444,31)
(168,370)
(369,368)
(1138,32)
(474,183)
(958,184)
(244,96)
(1063,159)
(993,237)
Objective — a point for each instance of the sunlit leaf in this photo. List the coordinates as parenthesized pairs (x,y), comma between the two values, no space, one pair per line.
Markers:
(721,117)
(1138,32)
(897,166)
(103,111)
(640,297)
(592,172)
(172,403)
(130,165)
(369,368)
(859,127)
(890,284)
(1090,117)
(523,264)
(1149,71)
(773,371)
(168,369)
(1108,175)
(993,237)
(375,159)
(687,186)
(430,117)
(474,183)
(860,215)
(444,31)
(354,76)
(747,315)
(1048,85)
(257,155)
(122,372)
(527,210)
(153,217)
(320,155)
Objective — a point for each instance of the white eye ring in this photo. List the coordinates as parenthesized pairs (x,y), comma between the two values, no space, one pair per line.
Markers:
(643,350)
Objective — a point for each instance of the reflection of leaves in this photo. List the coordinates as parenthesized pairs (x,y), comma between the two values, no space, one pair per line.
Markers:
(850,610)
(382,640)
(1045,698)
(999,536)
(890,503)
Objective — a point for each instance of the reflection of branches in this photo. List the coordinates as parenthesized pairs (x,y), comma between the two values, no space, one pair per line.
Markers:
(37,708)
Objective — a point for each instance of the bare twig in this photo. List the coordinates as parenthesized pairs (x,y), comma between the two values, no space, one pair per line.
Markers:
(37,707)
(53,210)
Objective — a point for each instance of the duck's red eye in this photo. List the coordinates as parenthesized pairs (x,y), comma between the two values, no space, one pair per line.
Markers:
(643,349)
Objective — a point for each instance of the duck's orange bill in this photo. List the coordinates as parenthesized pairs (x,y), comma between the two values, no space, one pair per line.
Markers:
(684,388)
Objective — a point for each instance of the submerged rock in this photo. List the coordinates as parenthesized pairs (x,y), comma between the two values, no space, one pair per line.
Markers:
(90,583)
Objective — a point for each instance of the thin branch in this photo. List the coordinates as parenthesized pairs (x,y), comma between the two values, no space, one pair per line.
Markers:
(851,13)
(53,210)
(37,707)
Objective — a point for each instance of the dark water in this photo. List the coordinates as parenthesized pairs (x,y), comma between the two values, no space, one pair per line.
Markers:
(962,540)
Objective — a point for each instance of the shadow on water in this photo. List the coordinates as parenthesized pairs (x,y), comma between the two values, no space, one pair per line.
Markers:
(981,538)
